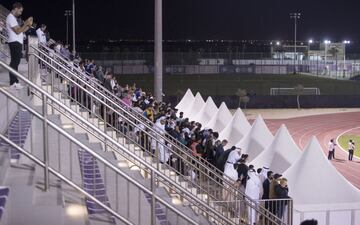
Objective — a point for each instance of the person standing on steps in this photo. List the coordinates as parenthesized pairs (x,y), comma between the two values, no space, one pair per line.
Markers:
(16,39)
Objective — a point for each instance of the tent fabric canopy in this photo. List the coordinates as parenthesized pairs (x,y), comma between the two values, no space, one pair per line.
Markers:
(222,117)
(206,112)
(195,106)
(186,101)
(236,129)
(281,154)
(312,179)
(257,139)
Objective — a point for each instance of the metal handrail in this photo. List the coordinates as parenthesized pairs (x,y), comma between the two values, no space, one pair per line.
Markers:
(63,178)
(230,185)
(174,185)
(94,154)
(145,121)
(215,172)
(219,174)
(199,201)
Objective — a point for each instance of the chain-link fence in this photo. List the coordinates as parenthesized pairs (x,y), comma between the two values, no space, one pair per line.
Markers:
(228,63)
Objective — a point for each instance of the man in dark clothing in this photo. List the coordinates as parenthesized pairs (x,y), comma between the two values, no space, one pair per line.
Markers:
(221,161)
(242,169)
(281,191)
(219,150)
(266,186)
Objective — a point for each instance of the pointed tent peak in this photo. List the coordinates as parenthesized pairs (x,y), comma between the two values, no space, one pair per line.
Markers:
(282,132)
(239,111)
(260,123)
(313,147)
(223,106)
(240,118)
(195,106)
(325,181)
(198,95)
(206,112)
(280,154)
(224,111)
(189,93)
(209,99)
(188,97)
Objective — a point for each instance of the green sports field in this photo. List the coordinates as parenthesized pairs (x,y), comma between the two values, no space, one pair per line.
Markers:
(344,140)
(228,84)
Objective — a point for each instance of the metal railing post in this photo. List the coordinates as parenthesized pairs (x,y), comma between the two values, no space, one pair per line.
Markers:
(290,212)
(45,141)
(153,200)
(33,67)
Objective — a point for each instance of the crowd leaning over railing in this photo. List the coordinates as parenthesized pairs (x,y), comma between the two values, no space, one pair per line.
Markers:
(202,143)
(259,184)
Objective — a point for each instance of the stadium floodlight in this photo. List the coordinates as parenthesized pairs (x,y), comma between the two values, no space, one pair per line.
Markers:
(345,42)
(309,45)
(295,16)
(326,42)
(278,43)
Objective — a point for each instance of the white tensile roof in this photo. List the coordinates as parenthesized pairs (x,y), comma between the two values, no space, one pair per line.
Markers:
(257,139)
(186,101)
(313,180)
(195,106)
(281,154)
(219,121)
(236,129)
(206,112)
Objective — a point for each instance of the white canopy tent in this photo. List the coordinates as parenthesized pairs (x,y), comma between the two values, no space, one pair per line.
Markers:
(257,139)
(236,129)
(186,101)
(281,154)
(313,179)
(220,119)
(320,191)
(206,112)
(195,106)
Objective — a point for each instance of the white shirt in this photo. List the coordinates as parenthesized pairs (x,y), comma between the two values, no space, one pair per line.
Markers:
(12,22)
(41,36)
(331,146)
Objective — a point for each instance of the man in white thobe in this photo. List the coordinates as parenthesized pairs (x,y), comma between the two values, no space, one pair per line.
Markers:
(253,187)
(164,153)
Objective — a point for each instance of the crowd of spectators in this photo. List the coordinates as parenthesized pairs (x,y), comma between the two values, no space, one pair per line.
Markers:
(203,143)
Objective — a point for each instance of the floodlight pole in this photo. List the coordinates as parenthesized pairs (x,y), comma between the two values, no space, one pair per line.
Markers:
(67,14)
(158,50)
(73,21)
(295,16)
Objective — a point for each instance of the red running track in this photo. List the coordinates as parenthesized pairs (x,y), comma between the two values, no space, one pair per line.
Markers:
(324,127)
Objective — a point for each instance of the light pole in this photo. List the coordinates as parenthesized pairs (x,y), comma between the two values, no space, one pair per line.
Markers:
(73,20)
(346,42)
(158,58)
(295,16)
(67,14)
(326,42)
(309,45)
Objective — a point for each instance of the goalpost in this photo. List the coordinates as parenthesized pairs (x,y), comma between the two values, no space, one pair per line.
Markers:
(292,91)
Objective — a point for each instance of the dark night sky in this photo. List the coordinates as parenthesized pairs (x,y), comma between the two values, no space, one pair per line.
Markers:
(201,19)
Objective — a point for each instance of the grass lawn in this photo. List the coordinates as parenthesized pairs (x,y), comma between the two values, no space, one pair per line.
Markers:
(228,84)
(344,139)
